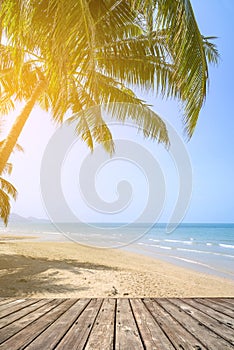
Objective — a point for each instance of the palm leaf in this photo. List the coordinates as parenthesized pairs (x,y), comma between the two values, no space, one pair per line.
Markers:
(7,190)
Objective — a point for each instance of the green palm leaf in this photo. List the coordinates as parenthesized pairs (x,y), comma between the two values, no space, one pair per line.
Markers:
(92,52)
(7,190)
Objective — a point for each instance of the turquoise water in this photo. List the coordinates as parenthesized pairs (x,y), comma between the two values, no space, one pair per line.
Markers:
(203,247)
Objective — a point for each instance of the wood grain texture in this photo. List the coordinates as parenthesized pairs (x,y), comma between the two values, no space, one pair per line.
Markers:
(117,324)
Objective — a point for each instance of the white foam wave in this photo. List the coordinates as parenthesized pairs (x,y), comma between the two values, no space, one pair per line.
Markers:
(172,240)
(177,241)
(192,262)
(229,246)
(205,252)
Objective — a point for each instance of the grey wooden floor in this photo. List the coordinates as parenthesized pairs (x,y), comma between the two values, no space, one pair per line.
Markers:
(124,324)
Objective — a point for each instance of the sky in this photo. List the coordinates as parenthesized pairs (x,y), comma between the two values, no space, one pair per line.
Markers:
(210,154)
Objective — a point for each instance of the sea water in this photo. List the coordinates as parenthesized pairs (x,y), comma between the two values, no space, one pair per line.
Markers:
(206,248)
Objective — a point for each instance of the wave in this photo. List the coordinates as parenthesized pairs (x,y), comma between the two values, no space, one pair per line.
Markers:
(186,250)
(177,241)
(192,261)
(155,246)
(205,252)
(202,264)
(229,246)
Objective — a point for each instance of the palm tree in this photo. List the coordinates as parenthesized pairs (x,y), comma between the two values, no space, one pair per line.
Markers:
(75,54)
(7,190)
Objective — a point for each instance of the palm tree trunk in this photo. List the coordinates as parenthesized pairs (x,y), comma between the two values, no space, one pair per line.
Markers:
(11,140)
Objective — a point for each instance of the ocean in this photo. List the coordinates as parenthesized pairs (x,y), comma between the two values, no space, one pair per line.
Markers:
(207,248)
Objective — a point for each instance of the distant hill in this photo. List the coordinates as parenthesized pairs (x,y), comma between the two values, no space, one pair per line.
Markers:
(33,219)
(18,218)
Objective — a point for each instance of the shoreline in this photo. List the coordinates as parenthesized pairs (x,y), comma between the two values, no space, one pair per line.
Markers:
(187,263)
(192,265)
(67,270)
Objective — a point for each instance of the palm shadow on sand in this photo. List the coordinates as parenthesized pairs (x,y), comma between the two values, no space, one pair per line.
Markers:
(22,276)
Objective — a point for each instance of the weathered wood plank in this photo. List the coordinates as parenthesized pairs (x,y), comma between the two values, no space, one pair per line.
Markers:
(22,312)
(102,334)
(211,323)
(220,317)
(222,302)
(54,333)
(229,301)
(177,334)
(127,335)
(4,301)
(78,334)
(216,306)
(23,331)
(126,324)
(152,335)
(13,307)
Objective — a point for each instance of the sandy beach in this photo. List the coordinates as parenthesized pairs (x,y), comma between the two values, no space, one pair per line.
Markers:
(56,269)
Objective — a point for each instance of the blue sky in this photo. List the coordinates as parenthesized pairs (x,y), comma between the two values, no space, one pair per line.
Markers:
(210,149)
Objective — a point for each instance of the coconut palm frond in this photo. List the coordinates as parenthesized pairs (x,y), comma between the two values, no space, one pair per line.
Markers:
(93,52)
(122,104)
(91,126)
(7,190)
(6,104)
(4,206)
(211,50)
(8,168)
(82,129)
(185,43)
(8,187)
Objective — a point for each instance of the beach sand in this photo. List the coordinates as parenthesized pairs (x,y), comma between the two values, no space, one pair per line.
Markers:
(55,269)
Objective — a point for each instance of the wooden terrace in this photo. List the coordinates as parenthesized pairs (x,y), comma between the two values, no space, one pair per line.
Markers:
(117,324)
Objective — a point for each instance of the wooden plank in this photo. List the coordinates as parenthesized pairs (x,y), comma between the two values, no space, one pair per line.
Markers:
(216,306)
(220,317)
(54,333)
(78,334)
(152,335)
(30,332)
(222,302)
(229,301)
(13,307)
(102,334)
(22,312)
(150,324)
(211,323)
(176,333)
(16,330)
(4,301)
(127,335)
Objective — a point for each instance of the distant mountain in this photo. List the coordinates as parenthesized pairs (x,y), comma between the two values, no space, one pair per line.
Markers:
(33,219)
(18,218)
